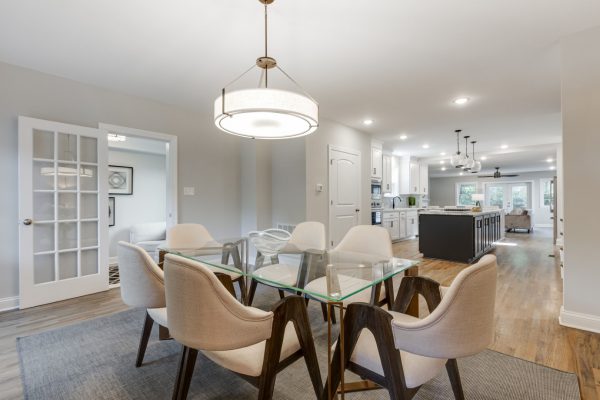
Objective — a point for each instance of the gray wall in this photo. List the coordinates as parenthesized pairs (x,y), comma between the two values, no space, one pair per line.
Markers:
(288,181)
(148,201)
(208,159)
(442,191)
(581,147)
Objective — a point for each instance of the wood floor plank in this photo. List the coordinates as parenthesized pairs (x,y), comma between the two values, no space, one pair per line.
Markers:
(529,296)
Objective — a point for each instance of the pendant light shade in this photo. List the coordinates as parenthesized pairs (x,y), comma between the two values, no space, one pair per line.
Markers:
(467,162)
(457,159)
(477,164)
(263,112)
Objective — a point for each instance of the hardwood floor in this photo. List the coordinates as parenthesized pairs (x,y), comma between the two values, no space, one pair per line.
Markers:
(529,298)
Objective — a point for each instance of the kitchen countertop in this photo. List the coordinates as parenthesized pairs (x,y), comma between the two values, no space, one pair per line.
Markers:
(402,209)
(469,213)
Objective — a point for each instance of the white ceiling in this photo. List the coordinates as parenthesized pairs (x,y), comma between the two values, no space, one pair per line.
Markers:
(398,62)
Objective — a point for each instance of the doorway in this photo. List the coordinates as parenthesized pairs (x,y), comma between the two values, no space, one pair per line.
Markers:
(344,192)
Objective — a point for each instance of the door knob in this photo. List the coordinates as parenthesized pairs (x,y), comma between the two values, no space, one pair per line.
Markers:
(27,221)
(357,210)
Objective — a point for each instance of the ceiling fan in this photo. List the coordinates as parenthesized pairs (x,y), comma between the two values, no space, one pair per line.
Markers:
(498,174)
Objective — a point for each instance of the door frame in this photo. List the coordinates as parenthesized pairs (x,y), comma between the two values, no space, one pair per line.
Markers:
(357,153)
(171,212)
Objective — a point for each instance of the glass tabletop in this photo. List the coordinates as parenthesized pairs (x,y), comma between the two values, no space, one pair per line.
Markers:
(326,276)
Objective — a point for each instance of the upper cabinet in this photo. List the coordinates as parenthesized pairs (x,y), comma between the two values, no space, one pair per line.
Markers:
(415,177)
(376,160)
(424,179)
(386,178)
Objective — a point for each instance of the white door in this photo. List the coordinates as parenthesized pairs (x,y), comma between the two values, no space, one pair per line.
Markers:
(63,211)
(344,192)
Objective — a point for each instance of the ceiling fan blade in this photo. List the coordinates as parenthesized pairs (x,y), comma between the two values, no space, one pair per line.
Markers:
(509,175)
(485,176)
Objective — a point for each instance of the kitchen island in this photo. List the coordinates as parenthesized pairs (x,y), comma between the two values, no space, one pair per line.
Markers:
(462,236)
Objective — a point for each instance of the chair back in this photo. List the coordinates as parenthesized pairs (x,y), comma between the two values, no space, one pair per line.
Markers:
(188,236)
(203,315)
(309,235)
(150,231)
(141,279)
(463,323)
(364,243)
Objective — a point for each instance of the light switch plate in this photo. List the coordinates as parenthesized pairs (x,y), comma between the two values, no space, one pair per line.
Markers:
(189,191)
(319,187)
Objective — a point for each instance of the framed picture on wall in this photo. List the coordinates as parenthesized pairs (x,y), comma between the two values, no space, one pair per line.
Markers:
(120,179)
(111,211)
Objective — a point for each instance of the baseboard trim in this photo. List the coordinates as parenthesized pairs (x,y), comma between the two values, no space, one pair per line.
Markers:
(581,321)
(113,260)
(9,303)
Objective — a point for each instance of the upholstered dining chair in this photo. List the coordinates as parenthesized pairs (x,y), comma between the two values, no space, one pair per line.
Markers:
(362,243)
(400,352)
(195,236)
(204,316)
(309,235)
(142,285)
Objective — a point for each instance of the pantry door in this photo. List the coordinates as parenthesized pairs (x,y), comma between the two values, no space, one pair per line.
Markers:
(63,211)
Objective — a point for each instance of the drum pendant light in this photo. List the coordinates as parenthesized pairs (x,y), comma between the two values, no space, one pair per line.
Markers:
(264,112)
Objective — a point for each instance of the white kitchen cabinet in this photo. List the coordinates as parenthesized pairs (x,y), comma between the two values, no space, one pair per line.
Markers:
(402,224)
(424,179)
(412,223)
(386,176)
(391,222)
(415,177)
(376,162)
(410,176)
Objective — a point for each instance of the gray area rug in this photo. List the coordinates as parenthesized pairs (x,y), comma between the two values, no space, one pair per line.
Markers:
(95,360)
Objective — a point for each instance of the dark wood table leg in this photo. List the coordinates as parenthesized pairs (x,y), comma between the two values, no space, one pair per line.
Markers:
(413,308)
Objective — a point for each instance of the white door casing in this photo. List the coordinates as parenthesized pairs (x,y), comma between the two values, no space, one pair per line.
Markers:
(344,191)
(63,211)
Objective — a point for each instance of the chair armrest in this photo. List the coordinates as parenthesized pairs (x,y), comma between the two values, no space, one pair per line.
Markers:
(414,285)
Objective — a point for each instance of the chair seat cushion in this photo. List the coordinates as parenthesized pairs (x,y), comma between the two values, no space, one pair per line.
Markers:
(347,284)
(417,369)
(281,273)
(249,360)
(159,315)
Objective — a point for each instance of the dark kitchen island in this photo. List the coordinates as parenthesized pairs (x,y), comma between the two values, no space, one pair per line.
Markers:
(462,236)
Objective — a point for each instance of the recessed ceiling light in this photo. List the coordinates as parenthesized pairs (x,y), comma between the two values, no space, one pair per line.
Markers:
(461,174)
(483,158)
(442,161)
(552,168)
(368,122)
(425,146)
(504,147)
(549,159)
(443,153)
(461,100)
(403,137)
(443,168)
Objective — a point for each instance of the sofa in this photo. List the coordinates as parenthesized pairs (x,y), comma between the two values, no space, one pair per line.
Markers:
(149,236)
(519,218)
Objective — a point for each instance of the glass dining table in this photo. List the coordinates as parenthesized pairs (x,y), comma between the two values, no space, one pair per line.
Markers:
(332,278)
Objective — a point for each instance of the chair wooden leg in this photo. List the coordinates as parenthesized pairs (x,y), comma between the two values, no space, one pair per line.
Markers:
(324,311)
(184,375)
(243,293)
(454,375)
(253,285)
(146,330)
(281,294)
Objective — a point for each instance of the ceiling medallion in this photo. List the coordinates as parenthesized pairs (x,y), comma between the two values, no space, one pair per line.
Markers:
(264,112)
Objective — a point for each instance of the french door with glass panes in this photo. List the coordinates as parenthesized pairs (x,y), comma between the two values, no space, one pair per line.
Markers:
(63,229)
(508,195)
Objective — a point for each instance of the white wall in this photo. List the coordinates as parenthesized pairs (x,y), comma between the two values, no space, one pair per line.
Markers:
(148,201)
(332,133)
(580,55)
(208,159)
(442,191)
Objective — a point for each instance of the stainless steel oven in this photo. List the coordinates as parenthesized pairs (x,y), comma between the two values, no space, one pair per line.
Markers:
(375,189)
(376,215)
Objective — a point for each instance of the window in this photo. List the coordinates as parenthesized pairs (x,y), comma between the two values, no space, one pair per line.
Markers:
(520,196)
(546,192)
(464,191)
(495,195)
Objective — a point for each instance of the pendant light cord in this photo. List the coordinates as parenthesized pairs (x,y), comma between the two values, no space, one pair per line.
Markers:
(266,47)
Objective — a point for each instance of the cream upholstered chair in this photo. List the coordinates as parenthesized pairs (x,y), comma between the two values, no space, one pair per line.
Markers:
(309,235)
(400,352)
(362,243)
(196,236)
(204,316)
(142,286)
